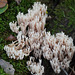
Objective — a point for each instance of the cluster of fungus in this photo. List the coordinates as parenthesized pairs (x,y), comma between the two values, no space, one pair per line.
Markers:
(58,49)
(32,37)
(35,68)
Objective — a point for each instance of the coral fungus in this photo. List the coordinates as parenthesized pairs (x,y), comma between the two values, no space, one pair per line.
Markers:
(35,68)
(32,36)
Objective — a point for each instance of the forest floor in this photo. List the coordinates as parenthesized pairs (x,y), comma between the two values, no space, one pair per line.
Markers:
(62,14)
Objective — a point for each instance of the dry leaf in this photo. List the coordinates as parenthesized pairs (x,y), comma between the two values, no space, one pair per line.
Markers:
(10,38)
(3,3)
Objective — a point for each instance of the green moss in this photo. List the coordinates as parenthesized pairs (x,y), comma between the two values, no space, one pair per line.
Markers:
(5,19)
(64,14)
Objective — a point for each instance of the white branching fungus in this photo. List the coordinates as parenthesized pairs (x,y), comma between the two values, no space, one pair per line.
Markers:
(35,68)
(58,49)
(14,27)
(32,36)
(31,39)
